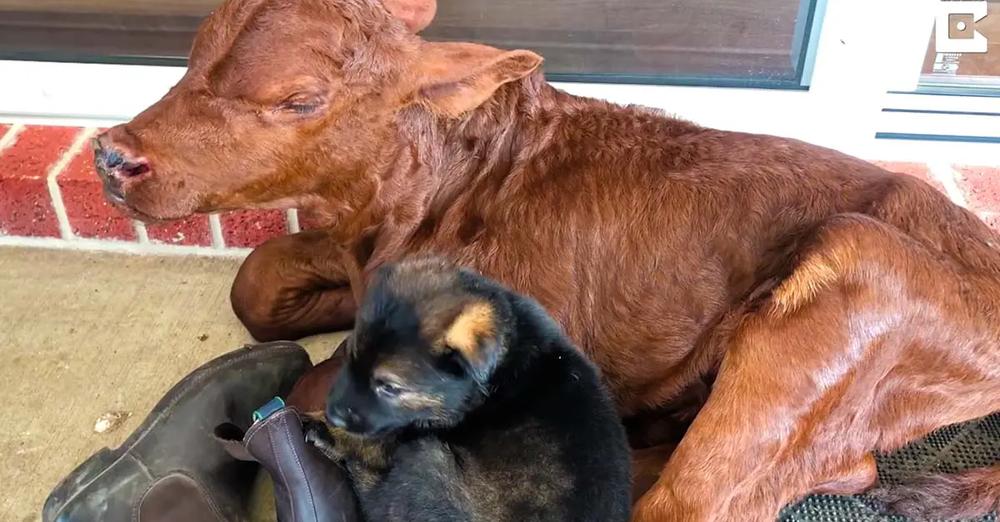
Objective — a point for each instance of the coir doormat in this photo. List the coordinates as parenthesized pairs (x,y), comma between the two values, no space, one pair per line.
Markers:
(974,444)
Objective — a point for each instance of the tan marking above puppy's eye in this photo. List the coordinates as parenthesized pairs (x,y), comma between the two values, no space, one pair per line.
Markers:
(475,322)
(419,401)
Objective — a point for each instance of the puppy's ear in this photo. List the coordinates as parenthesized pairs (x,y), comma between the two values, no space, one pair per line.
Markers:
(475,337)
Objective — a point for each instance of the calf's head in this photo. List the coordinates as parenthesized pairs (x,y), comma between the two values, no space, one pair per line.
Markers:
(289,102)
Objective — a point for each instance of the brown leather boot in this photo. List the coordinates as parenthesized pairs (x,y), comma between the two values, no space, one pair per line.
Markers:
(171,468)
(308,487)
(308,396)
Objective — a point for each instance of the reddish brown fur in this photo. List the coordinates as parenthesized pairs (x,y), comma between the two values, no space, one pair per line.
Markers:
(847,309)
(936,497)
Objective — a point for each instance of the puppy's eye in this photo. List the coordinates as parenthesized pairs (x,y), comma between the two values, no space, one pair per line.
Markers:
(451,362)
(386,388)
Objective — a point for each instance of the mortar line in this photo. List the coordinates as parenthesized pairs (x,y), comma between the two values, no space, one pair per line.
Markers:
(55,193)
(141,234)
(121,247)
(292,221)
(945,175)
(215,225)
(10,136)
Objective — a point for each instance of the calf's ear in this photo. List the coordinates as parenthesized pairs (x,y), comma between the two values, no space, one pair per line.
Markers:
(416,14)
(455,78)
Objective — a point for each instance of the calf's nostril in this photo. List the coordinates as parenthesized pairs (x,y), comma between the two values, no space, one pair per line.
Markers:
(132,169)
(112,163)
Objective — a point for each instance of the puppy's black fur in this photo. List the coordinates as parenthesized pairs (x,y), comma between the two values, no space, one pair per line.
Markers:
(462,400)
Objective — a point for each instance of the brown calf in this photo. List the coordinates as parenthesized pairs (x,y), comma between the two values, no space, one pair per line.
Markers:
(846,309)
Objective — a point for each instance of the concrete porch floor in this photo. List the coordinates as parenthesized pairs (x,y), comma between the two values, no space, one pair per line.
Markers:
(82,334)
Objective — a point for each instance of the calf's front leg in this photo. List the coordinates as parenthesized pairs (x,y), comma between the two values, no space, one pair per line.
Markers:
(292,287)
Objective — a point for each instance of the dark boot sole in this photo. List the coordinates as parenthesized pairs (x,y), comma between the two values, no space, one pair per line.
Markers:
(91,469)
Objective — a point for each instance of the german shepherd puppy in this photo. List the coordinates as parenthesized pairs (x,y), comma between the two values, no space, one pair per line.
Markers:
(462,400)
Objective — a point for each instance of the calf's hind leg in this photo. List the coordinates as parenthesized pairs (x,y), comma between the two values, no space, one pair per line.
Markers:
(294,286)
(870,343)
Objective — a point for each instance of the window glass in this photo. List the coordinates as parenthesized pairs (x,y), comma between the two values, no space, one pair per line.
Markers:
(714,42)
(948,69)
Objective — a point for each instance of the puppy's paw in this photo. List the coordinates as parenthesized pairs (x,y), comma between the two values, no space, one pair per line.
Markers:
(317,434)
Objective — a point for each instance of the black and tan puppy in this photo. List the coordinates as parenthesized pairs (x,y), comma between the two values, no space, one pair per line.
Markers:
(462,400)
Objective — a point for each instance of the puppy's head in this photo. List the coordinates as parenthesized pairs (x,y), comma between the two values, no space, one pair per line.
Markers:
(426,341)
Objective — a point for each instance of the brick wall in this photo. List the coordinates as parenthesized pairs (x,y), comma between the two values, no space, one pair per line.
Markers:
(50,196)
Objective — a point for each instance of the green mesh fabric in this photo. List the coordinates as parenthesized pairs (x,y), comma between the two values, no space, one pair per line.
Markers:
(974,444)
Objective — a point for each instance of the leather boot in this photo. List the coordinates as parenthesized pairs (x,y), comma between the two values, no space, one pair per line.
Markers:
(308,396)
(171,468)
(308,487)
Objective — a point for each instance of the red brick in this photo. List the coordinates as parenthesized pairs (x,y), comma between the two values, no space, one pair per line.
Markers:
(90,215)
(981,186)
(191,231)
(917,170)
(25,206)
(249,228)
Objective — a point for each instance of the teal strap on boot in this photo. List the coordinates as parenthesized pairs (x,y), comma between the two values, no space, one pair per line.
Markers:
(268,409)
